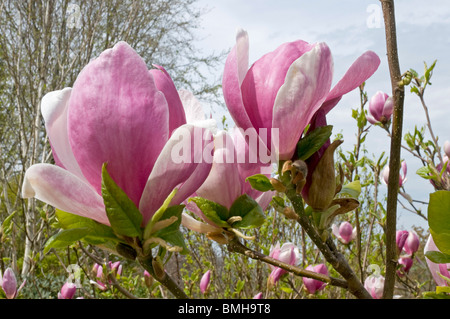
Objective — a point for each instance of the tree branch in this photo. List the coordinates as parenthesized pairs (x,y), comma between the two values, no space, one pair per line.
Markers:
(394,160)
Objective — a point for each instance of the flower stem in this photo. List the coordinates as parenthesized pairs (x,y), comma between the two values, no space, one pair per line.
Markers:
(165,279)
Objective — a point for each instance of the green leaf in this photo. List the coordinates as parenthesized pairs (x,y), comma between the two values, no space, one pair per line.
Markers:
(168,213)
(122,213)
(7,223)
(438,257)
(217,213)
(98,233)
(425,172)
(158,214)
(439,219)
(176,239)
(66,237)
(352,189)
(250,211)
(313,141)
(260,182)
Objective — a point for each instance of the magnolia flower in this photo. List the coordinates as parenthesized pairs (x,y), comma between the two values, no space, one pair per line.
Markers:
(400,239)
(374,284)
(437,270)
(68,290)
(402,176)
(345,232)
(285,88)
(314,285)
(447,148)
(9,283)
(120,113)
(204,282)
(259,295)
(412,243)
(381,107)
(288,253)
(405,263)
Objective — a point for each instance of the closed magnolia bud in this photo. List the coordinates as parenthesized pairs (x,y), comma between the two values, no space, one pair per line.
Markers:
(148,279)
(412,243)
(204,282)
(400,239)
(9,283)
(374,284)
(380,108)
(314,285)
(68,290)
(323,186)
(447,148)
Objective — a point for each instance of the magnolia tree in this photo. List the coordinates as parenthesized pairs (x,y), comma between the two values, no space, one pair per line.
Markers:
(142,173)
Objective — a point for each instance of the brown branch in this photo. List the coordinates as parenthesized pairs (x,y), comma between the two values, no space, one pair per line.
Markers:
(394,160)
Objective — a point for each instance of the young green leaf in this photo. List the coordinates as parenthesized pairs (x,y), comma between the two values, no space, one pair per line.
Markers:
(438,257)
(217,213)
(250,211)
(439,219)
(260,182)
(66,237)
(313,141)
(122,213)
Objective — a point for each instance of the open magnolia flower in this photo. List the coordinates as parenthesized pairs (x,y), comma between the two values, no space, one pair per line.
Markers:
(284,89)
(121,114)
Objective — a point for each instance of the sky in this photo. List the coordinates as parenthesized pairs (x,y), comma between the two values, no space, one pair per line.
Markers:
(350,27)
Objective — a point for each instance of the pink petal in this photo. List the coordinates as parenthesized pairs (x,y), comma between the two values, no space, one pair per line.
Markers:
(165,84)
(236,67)
(359,71)
(187,173)
(63,190)
(117,115)
(54,106)
(223,184)
(264,79)
(376,104)
(307,84)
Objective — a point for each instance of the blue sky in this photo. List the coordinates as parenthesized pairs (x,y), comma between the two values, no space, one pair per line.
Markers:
(350,27)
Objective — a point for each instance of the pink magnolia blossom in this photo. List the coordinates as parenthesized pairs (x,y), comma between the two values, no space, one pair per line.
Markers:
(204,282)
(412,243)
(314,285)
(68,290)
(400,239)
(9,283)
(118,112)
(447,148)
(437,270)
(259,295)
(405,263)
(380,108)
(402,176)
(374,284)
(345,232)
(285,88)
(288,253)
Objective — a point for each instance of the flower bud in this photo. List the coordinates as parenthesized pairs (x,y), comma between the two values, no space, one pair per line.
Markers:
(148,279)
(9,283)
(323,185)
(402,177)
(412,243)
(314,285)
(288,253)
(204,282)
(439,272)
(447,148)
(345,232)
(258,296)
(374,284)
(381,107)
(68,290)
(405,263)
(400,239)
